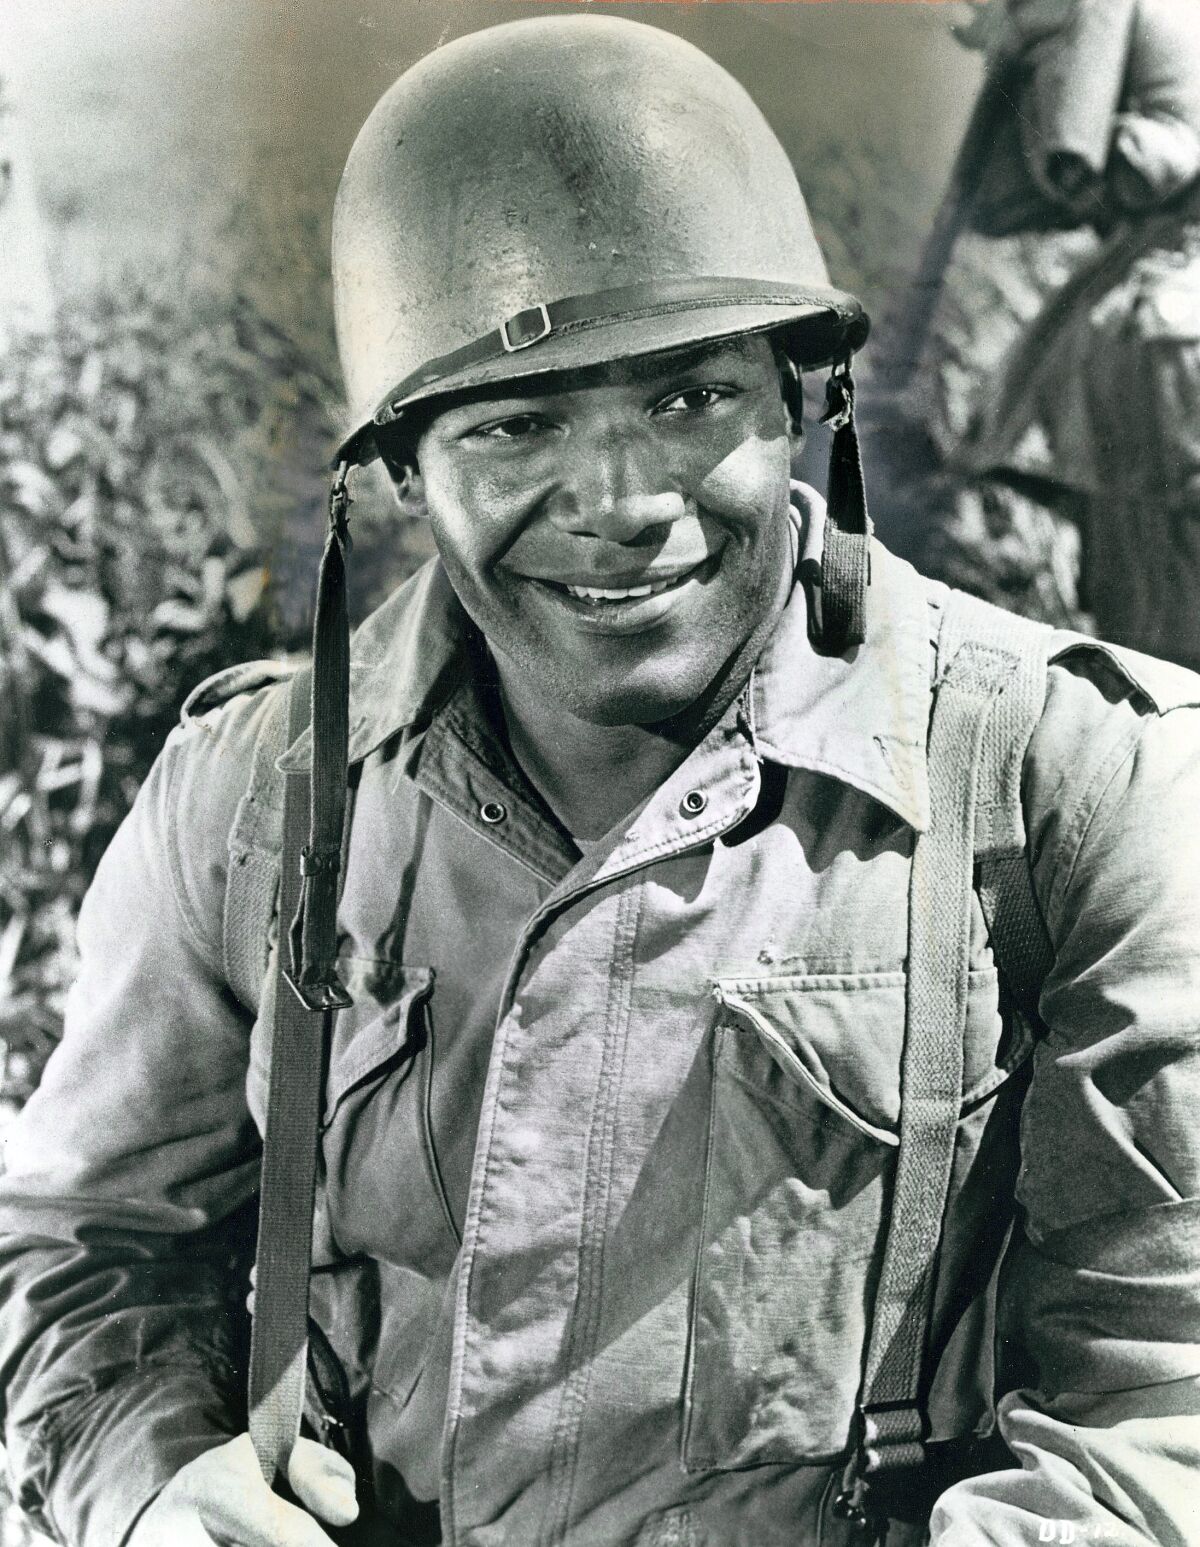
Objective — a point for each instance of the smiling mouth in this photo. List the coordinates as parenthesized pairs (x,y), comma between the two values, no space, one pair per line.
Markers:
(611,596)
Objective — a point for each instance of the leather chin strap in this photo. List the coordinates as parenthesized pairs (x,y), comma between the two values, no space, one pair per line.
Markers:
(312,937)
(846,563)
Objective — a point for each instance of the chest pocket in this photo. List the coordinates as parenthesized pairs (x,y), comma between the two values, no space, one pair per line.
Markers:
(379,1189)
(803,1137)
(382,1187)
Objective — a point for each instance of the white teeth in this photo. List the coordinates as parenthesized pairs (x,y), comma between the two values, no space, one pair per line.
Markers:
(589,593)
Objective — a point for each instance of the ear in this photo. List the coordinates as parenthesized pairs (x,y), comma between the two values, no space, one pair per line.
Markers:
(408,487)
(791,386)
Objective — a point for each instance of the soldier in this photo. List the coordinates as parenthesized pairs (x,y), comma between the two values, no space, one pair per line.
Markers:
(1095,410)
(748,992)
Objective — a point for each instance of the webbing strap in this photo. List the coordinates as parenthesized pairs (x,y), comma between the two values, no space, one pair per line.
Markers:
(312,972)
(279,1337)
(992,669)
(932,1070)
(1010,908)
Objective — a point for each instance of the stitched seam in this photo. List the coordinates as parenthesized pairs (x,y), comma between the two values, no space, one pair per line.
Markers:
(183,904)
(1082,818)
(692,1458)
(564,1457)
(474,1224)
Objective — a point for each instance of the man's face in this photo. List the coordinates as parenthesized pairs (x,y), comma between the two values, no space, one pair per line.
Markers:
(617,534)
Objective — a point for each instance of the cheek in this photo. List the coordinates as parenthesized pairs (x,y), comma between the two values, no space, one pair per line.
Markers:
(473,522)
(750,485)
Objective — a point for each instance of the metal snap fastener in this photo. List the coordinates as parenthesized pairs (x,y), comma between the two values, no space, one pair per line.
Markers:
(693,803)
(492,812)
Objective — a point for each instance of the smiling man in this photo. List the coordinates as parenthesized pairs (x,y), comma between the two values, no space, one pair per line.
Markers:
(739,998)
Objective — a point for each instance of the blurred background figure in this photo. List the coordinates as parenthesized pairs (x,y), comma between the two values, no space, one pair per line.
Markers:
(1047,363)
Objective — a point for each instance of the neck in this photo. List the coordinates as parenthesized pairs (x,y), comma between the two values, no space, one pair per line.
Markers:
(589,775)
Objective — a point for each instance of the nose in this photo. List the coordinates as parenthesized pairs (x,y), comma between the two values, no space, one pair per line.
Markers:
(612,484)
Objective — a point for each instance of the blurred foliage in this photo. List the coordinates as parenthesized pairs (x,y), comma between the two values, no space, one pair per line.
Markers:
(162,490)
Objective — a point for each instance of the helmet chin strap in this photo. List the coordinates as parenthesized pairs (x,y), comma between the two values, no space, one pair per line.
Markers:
(313,934)
(846,564)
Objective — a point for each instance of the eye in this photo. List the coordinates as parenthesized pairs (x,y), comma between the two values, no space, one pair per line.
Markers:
(695,400)
(513,427)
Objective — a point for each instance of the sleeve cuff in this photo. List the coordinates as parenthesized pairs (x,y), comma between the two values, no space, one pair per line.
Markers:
(109,1456)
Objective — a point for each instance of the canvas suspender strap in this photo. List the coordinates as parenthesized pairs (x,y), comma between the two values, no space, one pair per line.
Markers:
(992,673)
(279,1339)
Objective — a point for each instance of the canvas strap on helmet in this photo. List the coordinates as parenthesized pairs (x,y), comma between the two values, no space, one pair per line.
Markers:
(846,563)
(835,324)
(308,994)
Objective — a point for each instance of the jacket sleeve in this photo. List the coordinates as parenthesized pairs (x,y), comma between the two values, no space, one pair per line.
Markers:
(1100,1300)
(126,1212)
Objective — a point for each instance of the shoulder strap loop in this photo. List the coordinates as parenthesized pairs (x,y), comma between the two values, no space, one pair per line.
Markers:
(252,877)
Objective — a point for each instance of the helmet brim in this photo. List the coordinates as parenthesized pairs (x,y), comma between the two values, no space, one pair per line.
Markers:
(820,327)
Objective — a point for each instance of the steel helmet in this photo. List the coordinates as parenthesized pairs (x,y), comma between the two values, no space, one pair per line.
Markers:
(553,193)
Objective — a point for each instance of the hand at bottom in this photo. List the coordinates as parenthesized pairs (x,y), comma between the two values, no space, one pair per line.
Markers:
(220,1498)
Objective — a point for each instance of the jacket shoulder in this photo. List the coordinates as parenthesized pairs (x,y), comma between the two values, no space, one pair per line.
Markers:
(231,682)
(215,790)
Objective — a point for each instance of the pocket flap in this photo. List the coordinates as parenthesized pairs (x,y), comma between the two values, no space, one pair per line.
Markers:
(380,1029)
(839,1036)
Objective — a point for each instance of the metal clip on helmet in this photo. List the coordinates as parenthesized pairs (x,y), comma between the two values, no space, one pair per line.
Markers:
(557,193)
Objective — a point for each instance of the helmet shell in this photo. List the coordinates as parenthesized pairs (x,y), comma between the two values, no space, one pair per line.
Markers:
(602,169)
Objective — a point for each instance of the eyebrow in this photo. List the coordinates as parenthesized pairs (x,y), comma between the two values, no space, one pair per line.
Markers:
(640,370)
(644,368)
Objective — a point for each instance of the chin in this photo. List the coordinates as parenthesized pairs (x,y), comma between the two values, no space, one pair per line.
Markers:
(626,703)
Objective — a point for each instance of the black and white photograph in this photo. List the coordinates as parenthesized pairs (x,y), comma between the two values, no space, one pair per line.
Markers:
(599,773)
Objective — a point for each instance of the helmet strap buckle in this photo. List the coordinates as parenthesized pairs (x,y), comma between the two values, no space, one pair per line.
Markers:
(525,328)
(839,397)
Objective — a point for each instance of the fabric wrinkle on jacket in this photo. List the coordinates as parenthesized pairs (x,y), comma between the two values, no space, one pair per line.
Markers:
(607,1141)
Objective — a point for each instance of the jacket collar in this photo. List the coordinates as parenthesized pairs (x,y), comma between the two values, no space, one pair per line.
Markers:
(860,718)
(404,661)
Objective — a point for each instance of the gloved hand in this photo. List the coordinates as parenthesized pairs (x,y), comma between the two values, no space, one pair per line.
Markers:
(221,1497)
